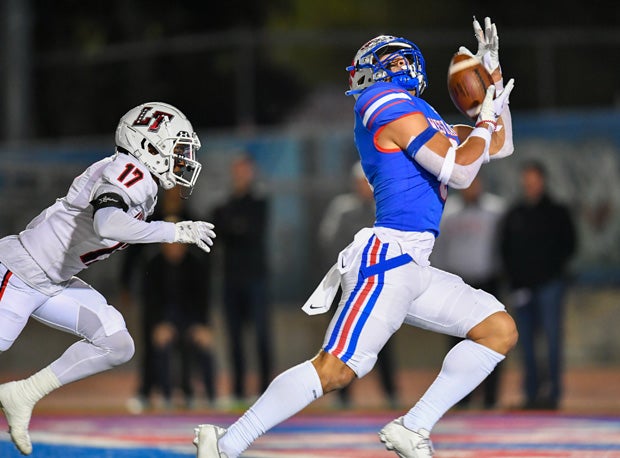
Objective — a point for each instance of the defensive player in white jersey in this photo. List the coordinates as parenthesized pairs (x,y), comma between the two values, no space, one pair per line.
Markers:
(410,156)
(105,209)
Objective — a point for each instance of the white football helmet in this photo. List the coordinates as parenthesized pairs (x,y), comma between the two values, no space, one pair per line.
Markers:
(162,138)
(371,64)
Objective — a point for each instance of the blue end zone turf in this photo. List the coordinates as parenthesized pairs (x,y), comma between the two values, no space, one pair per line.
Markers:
(8,450)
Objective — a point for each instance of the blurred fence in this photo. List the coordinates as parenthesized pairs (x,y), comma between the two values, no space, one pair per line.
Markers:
(301,170)
(549,66)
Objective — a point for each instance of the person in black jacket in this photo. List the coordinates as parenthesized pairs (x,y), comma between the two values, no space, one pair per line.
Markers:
(172,286)
(177,314)
(537,240)
(242,234)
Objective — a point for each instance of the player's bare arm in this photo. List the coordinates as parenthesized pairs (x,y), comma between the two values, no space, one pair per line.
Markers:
(399,133)
(453,165)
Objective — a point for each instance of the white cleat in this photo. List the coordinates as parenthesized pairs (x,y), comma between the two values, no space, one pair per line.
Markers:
(17,412)
(206,441)
(406,443)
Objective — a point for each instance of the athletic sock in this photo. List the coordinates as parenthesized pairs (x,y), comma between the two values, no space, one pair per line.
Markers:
(463,369)
(38,385)
(289,393)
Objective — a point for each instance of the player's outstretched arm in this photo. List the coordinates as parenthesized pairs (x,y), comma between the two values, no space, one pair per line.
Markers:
(495,116)
(114,224)
(500,143)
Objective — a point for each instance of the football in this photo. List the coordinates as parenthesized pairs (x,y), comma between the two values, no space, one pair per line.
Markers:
(468,81)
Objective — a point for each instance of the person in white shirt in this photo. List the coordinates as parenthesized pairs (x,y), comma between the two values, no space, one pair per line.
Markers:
(104,210)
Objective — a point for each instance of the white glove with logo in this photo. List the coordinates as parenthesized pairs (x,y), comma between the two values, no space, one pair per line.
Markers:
(199,233)
(493,106)
(488,45)
(488,49)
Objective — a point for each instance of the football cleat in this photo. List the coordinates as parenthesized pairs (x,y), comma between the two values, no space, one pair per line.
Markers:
(406,443)
(17,412)
(206,441)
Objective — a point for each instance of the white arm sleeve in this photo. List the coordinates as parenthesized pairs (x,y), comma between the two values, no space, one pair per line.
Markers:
(448,172)
(508,147)
(114,224)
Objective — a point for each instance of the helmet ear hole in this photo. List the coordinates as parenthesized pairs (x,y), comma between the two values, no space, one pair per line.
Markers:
(152,150)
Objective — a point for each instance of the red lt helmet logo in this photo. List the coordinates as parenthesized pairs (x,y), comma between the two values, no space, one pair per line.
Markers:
(154,121)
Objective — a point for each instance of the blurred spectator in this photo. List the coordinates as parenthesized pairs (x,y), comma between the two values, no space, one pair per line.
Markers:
(538,239)
(134,256)
(172,285)
(467,246)
(345,215)
(176,295)
(241,224)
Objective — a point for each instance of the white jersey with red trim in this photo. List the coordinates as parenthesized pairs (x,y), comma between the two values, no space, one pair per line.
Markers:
(62,240)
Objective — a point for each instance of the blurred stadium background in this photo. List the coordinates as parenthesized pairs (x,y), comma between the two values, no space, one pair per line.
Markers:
(268,77)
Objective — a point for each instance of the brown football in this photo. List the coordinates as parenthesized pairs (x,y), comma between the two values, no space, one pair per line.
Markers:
(468,81)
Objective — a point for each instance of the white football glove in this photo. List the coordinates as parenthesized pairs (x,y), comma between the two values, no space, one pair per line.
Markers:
(493,106)
(488,45)
(200,233)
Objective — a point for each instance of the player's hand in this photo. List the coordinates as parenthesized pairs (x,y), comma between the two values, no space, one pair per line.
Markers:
(200,233)
(488,45)
(493,104)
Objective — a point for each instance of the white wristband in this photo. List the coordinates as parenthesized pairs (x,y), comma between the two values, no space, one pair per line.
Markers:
(484,134)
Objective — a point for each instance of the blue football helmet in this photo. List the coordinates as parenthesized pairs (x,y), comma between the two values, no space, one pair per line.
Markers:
(371,64)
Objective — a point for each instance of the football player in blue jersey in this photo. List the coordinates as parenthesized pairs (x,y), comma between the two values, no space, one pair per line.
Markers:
(410,156)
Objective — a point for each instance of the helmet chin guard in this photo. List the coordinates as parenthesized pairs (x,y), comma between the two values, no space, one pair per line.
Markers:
(162,138)
(371,65)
